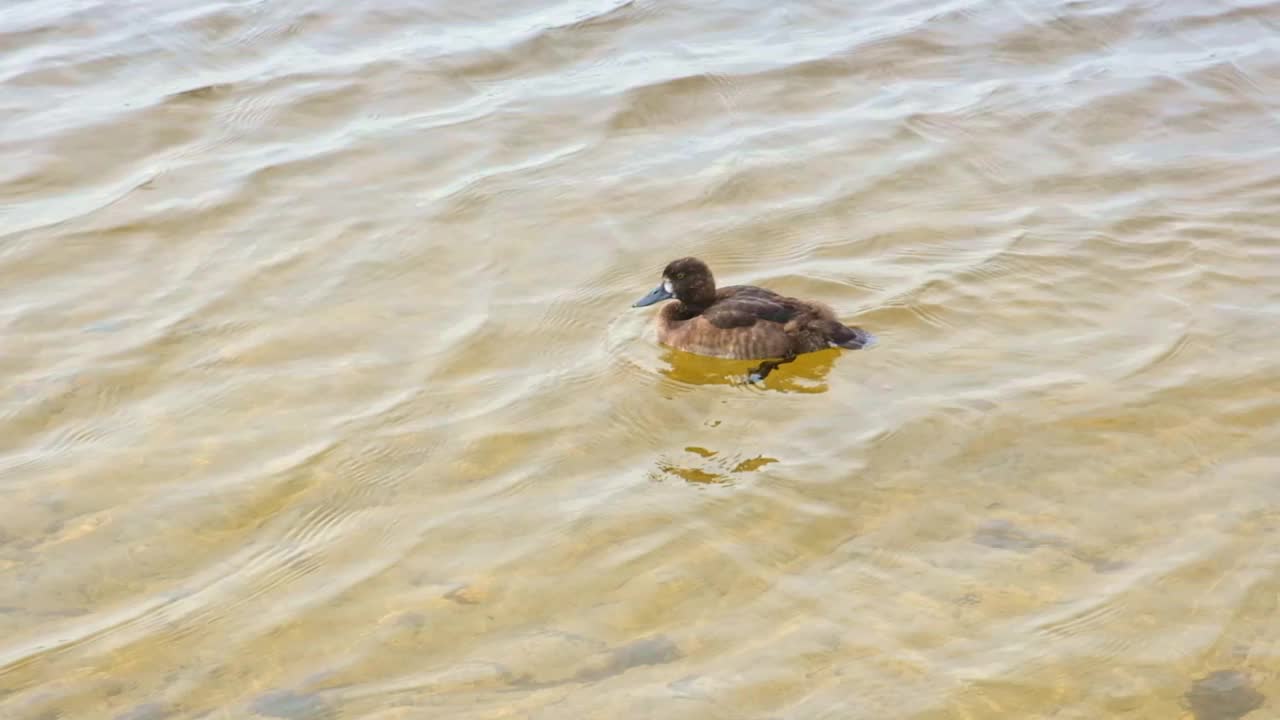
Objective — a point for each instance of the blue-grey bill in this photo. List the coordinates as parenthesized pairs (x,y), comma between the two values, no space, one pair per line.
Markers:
(657,294)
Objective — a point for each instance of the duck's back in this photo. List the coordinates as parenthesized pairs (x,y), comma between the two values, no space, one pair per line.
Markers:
(761,304)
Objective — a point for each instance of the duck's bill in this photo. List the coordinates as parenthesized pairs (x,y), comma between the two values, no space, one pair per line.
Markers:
(657,294)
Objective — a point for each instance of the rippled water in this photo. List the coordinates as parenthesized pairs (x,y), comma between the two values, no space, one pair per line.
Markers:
(323,398)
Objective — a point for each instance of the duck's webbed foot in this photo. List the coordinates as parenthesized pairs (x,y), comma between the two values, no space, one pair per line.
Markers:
(761,371)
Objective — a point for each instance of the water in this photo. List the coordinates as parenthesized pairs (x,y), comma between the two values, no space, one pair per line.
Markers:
(323,398)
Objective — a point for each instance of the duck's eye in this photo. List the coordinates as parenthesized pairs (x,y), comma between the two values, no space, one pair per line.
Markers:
(679,276)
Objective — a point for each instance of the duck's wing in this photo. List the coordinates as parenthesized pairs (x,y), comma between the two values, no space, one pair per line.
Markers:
(745,305)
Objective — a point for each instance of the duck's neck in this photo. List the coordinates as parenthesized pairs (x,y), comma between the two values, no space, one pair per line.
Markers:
(678,311)
(681,310)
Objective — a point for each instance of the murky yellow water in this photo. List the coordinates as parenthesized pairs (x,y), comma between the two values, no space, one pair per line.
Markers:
(322,397)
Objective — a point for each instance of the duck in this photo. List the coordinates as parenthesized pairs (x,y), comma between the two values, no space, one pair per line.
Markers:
(742,322)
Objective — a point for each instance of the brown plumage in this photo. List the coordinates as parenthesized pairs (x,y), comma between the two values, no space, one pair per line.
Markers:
(741,321)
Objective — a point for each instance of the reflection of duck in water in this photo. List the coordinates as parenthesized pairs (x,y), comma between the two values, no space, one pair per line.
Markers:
(807,374)
(742,322)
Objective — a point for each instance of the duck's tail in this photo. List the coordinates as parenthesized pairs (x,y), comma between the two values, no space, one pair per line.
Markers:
(849,338)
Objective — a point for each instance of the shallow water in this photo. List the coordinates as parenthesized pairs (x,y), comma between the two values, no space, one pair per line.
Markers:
(323,397)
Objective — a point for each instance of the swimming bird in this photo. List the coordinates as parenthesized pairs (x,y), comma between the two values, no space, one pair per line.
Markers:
(742,322)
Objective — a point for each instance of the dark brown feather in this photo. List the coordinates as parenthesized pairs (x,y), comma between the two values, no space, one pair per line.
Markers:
(741,306)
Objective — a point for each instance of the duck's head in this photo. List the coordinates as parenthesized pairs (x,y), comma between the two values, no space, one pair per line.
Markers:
(688,280)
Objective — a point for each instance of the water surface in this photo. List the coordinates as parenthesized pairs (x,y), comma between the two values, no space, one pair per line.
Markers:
(323,398)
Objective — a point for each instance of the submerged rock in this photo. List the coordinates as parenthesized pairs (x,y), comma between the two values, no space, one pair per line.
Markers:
(1223,695)
(655,650)
(1004,535)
